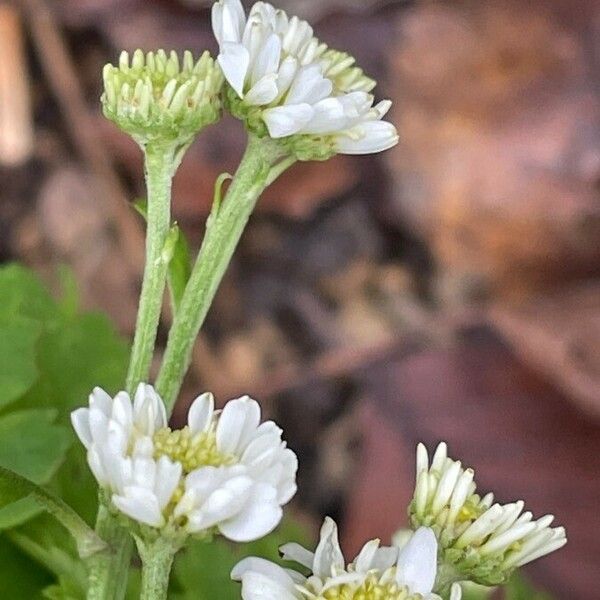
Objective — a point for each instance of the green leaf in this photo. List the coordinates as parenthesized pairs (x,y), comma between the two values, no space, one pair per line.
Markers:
(13,487)
(74,357)
(18,371)
(34,447)
(20,577)
(22,293)
(50,545)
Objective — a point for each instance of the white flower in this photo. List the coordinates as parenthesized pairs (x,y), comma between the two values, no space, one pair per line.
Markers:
(224,470)
(377,572)
(300,87)
(482,540)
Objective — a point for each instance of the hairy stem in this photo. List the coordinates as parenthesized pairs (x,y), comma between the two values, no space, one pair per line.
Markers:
(159,173)
(224,230)
(157,559)
(108,570)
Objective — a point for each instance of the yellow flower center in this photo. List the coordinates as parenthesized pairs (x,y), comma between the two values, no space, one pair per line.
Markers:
(373,588)
(192,451)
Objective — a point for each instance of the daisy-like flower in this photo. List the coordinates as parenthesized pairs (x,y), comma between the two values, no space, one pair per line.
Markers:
(376,573)
(157,97)
(224,471)
(480,540)
(285,82)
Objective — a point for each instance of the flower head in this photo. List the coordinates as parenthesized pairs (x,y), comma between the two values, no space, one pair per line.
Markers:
(480,540)
(376,573)
(224,471)
(285,83)
(156,97)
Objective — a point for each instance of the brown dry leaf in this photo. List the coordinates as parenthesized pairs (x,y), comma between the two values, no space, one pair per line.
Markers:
(498,161)
(558,335)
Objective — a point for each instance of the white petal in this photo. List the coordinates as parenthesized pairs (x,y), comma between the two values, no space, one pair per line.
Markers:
(417,562)
(260,516)
(266,567)
(201,413)
(122,411)
(329,116)
(363,562)
(97,467)
(235,60)
(263,92)
(309,86)
(455,592)
(297,553)
(267,61)
(140,504)
(100,400)
(228,19)
(283,121)
(237,424)
(256,586)
(328,554)
(168,475)
(81,424)
(369,138)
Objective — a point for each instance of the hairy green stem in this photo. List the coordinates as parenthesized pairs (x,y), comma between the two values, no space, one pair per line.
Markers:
(157,559)
(159,174)
(108,570)
(224,230)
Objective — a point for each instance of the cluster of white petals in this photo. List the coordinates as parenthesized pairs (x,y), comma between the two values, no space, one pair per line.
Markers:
(376,573)
(225,470)
(274,62)
(487,539)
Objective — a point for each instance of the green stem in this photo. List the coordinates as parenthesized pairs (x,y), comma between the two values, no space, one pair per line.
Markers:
(108,570)
(159,173)
(157,559)
(224,230)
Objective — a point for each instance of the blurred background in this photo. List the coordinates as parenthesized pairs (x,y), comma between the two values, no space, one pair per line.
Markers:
(447,289)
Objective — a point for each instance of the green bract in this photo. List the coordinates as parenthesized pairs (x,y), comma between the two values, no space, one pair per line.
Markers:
(155,97)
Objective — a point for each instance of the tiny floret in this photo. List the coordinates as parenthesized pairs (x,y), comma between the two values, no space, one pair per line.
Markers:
(224,472)
(158,97)
(376,573)
(479,540)
(283,82)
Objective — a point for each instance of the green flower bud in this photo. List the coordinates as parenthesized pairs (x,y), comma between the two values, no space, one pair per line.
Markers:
(154,97)
(479,540)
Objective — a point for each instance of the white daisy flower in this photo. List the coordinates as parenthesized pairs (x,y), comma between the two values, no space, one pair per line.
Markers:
(224,471)
(483,540)
(377,572)
(284,78)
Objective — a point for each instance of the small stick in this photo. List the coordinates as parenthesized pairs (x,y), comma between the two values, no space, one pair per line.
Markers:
(16,121)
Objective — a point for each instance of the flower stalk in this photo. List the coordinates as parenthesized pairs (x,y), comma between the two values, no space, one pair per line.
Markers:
(159,172)
(157,559)
(109,569)
(263,161)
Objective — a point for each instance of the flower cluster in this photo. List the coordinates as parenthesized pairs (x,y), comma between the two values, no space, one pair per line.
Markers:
(376,573)
(480,540)
(154,96)
(283,81)
(224,471)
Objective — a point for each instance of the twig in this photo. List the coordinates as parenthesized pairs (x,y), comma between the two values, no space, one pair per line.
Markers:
(16,121)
